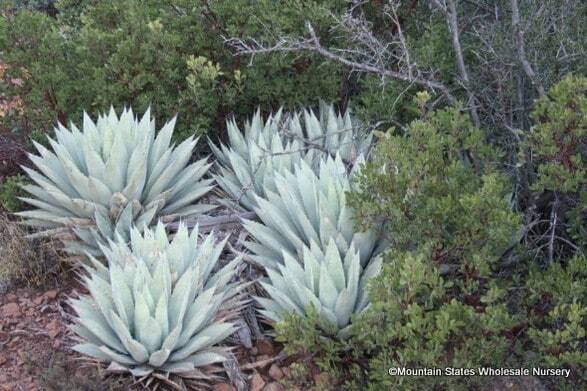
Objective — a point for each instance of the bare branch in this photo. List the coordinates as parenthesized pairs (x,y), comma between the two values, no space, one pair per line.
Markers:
(204,222)
(450,11)
(520,46)
(374,56)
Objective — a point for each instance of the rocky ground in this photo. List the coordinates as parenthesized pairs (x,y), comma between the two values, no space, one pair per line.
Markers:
(35,351)
(34,339)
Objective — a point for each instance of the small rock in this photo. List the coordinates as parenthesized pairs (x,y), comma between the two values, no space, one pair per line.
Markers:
(257,382)
(264,346)
(286,371)
(53,329)
(51,295)
(10,310)
(320,378)
(274,387)
(25,302)
(223,387)
(39,300)
(2,360)
(275,372)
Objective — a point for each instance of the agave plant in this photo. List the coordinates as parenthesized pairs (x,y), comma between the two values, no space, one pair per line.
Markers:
(331,132)
(247,167)
(114,173)
(158,306)
(307,207)
(331,285)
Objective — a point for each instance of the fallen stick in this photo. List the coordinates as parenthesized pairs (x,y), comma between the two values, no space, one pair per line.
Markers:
(205,223)
(262,363)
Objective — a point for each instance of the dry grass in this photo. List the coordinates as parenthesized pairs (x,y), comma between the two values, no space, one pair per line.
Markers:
(32,263)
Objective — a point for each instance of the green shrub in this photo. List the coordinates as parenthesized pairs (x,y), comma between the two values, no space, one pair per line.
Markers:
(438,184)
(557,315)
(554,304)
(421,320)
(440,300)
(170,55)
(10,190)
(556,150)
(558,141)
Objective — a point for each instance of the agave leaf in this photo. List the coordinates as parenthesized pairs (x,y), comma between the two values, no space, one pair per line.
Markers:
(138,352)
(343,309)
(150,334)
(48,207)
(50,166)
(190,176)
(207,337)
(136,172)
(188,198)
(102,331)
(180,298)
(179,367)
(91,350)
(327,289)
(161,143)
(200,310)
(161,316)
(159,357)
(117,357)
(181,156)
(206,358)
(334,265)
(141,371)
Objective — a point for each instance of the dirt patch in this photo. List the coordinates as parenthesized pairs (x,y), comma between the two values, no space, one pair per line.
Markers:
(35,343)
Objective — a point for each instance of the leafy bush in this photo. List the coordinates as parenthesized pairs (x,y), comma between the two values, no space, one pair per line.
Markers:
(438,184)
(556,301)
(557,313)
(113,174)
(556,150)
(10,190)
(440,300)
(420,319)
(94,54)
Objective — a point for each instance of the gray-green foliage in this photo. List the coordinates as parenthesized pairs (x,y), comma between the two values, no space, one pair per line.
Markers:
(114,173)
(308,207)
(247,165)
(92,54)
(156,307)
(332,285)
